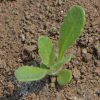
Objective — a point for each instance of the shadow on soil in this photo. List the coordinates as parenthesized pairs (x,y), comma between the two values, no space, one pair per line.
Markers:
(23,88)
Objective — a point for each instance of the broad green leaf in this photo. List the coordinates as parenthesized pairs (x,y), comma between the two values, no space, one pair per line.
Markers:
(71,28)
(64,77)
(45,49)
(27,73)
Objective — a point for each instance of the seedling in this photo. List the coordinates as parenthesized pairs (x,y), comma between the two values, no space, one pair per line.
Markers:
(52,62)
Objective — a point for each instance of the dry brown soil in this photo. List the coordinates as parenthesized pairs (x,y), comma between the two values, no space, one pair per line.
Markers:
(21,23)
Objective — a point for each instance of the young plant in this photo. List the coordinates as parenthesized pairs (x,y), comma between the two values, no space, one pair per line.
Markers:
(52,62)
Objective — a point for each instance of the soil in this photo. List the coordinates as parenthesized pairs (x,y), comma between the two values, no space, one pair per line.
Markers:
(21,23)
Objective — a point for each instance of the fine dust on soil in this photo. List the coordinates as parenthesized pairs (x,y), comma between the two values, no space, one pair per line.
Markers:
(21,23)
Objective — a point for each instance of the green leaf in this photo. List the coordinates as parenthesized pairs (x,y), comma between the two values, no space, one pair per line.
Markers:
(58,66)
(45,49)
(43,66)
(67,58)
(60,63)
(52,58)
(64,77)
(71,28)
(27,73)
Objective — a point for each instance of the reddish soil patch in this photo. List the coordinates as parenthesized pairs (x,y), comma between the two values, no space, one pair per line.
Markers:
(21,23)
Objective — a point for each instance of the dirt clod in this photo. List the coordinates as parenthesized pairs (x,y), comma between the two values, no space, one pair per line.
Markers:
(86,57)
(76,73)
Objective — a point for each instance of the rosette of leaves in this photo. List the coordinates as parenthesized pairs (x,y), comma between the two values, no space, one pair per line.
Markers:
(52,62)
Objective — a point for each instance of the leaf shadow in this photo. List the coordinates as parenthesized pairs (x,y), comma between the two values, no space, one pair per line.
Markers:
(23,88)
(34,86)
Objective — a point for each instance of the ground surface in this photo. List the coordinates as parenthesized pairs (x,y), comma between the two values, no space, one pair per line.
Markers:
(21,23)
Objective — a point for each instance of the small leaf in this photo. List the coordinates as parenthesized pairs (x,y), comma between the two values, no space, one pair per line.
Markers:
(71,28)
(45,49)
(27,73)
(67,58)
(60,63)
(43,66)
(64,77)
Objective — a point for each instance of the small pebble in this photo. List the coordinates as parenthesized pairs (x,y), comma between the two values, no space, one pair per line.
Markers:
(76,73)
(22,36)
(86,57)
(30,48)
(84,51)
